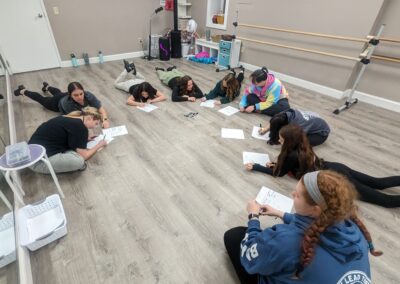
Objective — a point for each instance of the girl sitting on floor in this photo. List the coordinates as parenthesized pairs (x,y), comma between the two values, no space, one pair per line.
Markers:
(75,99)
(65,139)
(323,242)
(266,94)
(134,83)
(316,129)
(183,87)
(228,88)
(297,158)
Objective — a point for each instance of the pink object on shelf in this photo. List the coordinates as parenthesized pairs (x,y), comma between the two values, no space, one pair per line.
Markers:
(203,54)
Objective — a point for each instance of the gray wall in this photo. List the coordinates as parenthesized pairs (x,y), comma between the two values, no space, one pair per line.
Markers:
(356,18)
(110,26)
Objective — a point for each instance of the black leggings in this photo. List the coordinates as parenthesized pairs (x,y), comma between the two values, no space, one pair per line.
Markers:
(369,188)
(316,139)
(240,78)
(50,103)
(232,240)
(281,105)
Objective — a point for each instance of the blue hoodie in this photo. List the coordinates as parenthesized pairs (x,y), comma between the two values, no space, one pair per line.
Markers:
(341,257)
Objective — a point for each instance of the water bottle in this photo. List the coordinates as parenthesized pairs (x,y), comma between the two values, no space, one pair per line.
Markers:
(73,60)
(101,57)
(86,58)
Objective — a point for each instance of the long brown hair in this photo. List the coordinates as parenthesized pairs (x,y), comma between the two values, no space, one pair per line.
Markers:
(296,140)
(232,86)
(339,195)
(182,83)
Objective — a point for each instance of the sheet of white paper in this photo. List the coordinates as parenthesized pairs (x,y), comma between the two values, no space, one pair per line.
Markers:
(229,110)
(208,103)
(258,136)
(255,158)
(232,133)
(115,131)
(7,241)
(96,140)
(148,107)
(274,199)
(44,224)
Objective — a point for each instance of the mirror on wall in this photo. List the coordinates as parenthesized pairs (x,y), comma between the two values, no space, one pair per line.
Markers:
(217,14)
(8,264)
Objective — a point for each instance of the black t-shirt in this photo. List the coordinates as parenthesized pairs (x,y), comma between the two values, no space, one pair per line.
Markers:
(61,134)
(135,89)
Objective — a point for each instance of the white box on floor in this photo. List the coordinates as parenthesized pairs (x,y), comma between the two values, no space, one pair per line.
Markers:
(8,252)
(42,222)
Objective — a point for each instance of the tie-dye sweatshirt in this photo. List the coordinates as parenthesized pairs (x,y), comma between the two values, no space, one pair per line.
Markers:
(269,95)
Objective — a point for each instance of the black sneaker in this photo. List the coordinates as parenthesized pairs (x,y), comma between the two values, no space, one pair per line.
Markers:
(159,68)
(45,85)
(127,66)
(17,92)
(133,68)
(171,68)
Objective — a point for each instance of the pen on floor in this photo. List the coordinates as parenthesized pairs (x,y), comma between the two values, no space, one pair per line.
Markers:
(260,125)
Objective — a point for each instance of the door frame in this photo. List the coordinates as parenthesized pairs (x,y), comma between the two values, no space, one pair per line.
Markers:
(50,31)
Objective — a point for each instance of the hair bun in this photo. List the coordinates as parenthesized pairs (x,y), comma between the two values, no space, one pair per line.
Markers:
(264,69)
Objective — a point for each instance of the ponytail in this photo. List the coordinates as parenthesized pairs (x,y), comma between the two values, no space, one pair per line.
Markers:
(259,75)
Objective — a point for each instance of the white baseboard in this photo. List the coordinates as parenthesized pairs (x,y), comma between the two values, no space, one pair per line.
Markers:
(114,57)
(337,94)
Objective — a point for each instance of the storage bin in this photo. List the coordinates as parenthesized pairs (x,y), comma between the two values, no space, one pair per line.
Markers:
(17,154)
(42,223)
(8,252)
(225,44)
(223,60)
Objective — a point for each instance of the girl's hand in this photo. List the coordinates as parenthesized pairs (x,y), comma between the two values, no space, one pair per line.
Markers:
(270,211)
(250,109)
(203,99)
(249,166)
(241,109)
(270,165)
(262,130)
(142,104)
(192,99)
(106,124)
(253,207)
(218,103)
(149,101)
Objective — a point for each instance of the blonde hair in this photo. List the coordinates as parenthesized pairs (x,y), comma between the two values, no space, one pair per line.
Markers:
(86,111)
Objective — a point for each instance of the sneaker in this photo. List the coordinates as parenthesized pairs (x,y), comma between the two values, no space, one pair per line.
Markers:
(127,66)
(17,92)
(133,68)
(45,85)
(159,68)
(171,68)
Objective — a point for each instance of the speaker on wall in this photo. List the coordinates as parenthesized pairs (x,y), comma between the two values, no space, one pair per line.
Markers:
(176,47)
(165,51)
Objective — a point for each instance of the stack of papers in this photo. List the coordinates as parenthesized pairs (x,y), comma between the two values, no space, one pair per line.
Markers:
(208,103)
(255,158)
(228,111)
(274,199)
(255,134)
(99,138)
(232,133)
(115,131)
(148,107)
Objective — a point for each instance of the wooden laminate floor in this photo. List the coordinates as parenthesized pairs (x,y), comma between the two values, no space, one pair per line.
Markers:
(153,206)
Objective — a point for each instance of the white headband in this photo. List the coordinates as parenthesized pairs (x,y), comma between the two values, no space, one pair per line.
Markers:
(311,184)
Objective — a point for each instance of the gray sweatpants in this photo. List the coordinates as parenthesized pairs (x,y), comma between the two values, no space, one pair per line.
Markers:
(69,161)
(125,80)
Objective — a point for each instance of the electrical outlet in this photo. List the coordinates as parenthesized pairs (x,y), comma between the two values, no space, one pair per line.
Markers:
(56,10)
(140,40)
